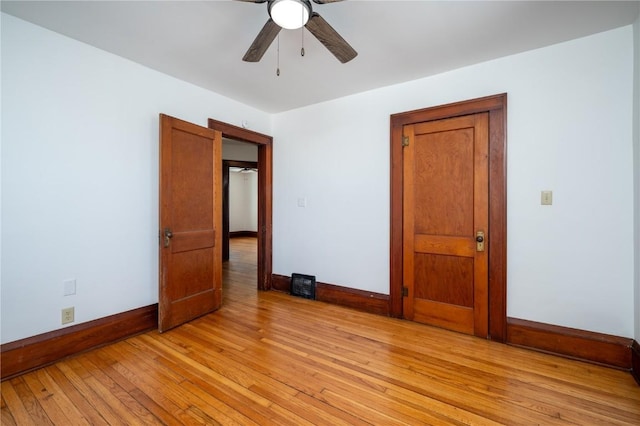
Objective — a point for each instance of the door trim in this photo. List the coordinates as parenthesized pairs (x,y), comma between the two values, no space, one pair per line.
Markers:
(265,197)
(496,106)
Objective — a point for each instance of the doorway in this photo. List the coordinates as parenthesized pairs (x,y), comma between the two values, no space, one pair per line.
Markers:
(438,250)
(265,177)
(248,227)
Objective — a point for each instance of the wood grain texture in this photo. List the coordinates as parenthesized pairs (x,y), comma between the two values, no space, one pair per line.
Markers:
(445,279)
(612,351)
(34,352)
(366,301)
(190,207)
(495,106)
(281,283)
(269,358)
(445,202)
(498,218)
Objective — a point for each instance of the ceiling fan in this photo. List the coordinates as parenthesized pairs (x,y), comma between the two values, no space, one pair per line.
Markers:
(292,14)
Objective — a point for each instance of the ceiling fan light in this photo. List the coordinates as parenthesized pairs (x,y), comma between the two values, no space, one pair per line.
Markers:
(289,14)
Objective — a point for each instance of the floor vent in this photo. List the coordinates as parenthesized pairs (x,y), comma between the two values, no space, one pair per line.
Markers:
(303,286)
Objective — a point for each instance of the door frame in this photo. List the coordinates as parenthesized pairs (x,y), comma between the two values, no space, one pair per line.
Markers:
(265,196)
(226,165)
(496,106)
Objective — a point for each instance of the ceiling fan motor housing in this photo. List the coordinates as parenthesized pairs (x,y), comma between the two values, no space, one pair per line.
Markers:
(285,13)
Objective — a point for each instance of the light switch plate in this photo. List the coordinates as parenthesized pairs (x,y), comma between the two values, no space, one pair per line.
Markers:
(69,287)
(546,198)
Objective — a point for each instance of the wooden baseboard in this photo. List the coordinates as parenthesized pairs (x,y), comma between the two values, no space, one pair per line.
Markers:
(635,361)
(281,283)
(34,352)
(598,348)
(238,234)
(367,301)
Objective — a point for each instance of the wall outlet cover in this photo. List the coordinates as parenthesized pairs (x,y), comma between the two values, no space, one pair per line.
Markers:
(68,315)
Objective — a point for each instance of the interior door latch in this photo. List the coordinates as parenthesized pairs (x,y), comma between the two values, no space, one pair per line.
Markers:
(479,241)
(167,237)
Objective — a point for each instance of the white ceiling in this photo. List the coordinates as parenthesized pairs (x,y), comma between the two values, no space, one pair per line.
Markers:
(203,42)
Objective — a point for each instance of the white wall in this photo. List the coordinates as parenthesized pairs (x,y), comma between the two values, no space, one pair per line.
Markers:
(636,170)
(243,202)
(80,175)
(569,130)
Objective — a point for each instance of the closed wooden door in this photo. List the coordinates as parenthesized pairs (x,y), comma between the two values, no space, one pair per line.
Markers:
(445,215)
(190,222)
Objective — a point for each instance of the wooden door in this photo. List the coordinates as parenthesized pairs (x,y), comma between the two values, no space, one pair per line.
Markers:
(190,221)
(445,209)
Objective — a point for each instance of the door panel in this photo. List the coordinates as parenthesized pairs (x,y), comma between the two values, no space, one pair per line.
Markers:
(190,221)
(447,279)
(444,181)
(445,203)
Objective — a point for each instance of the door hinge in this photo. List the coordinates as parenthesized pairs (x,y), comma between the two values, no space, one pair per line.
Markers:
(405,141)
(405,292)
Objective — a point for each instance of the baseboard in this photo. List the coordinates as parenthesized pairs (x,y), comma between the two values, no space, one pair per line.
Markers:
(38,351)
(635,361)
(598,348)
(281,283)
(367,301)
(238,234)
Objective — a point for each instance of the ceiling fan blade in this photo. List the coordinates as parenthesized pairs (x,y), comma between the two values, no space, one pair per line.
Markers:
(262,42)
(330,38)
(325,1)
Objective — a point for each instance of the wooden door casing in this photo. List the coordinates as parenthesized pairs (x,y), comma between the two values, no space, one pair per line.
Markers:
(190,222)
(445,202)
(496,107)
(265,179)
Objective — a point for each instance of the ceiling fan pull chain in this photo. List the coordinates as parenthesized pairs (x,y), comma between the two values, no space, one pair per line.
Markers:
(278,66)
(302,33)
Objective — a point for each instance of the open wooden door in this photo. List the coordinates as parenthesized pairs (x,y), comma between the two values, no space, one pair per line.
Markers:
(190,221)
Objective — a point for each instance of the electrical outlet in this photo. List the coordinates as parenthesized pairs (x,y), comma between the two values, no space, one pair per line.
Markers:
(68,315)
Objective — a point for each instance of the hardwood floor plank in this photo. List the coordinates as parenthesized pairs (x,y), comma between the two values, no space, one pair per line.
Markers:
(75,396)
(51,393)
(292,403)
(267,358)
(344,416)
(6,418)
(119,401)
(14,407)
(151,380)
(35,411)
(248,403)
(82,380)
(146,404)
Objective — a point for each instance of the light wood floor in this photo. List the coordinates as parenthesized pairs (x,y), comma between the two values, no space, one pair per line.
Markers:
(268,358)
